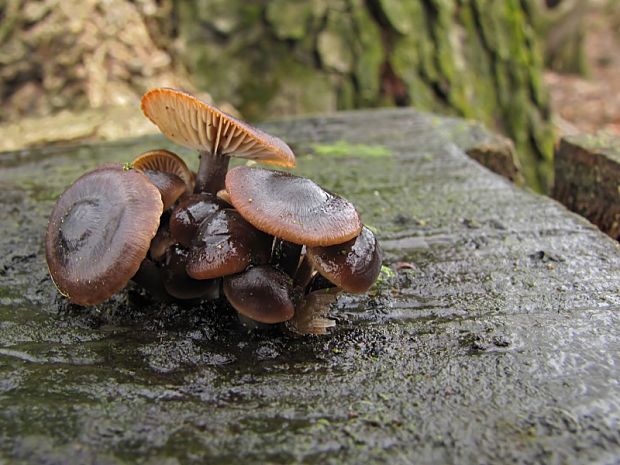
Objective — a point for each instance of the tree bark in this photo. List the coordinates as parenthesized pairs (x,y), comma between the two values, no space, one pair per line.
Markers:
(477,59)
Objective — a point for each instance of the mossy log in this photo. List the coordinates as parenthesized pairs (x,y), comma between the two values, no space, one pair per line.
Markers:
(492,337)
(477,59)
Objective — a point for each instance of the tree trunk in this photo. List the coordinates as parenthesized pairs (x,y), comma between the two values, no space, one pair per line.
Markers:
(477,59)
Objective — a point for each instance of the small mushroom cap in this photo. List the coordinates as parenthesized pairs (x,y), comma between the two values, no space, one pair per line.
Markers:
(100,231)
(195,124)
(166,161)
(161,242)
(261,293)
(189,214)
(226,244)
(170,186)
(352,266)
(179,285)
(292,208)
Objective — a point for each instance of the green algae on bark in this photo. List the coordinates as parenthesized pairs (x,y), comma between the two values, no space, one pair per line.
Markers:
(477,59)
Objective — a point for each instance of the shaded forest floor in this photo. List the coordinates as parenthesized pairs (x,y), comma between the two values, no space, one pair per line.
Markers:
(590,103)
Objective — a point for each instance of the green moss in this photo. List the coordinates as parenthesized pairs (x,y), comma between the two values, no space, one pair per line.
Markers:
(346,149)
(368,55)
(400,14)
(335,42)
(289,18)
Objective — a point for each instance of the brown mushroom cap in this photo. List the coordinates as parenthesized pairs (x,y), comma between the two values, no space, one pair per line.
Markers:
(195,124)
(179,285)
(99,232)
(261,293)
(226,244)
(162,240)
(170,186)
(189,214)
(292,208)
(352,266)
(167,162)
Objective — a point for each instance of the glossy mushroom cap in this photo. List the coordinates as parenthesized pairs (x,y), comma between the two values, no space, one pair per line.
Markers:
(170,186)
(262,293)
(352,266)
(195,124)
(292,208)
(100,231)
(167,162)
(179,285)
(189,214)
(226,244)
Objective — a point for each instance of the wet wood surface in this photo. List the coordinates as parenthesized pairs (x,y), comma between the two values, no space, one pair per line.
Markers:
(494,338)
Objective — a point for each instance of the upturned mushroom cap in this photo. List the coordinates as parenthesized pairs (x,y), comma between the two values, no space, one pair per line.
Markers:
(226,244)
(170,186)
(167,162)
(352,266)
(100,231)
(195,124)
(261,293)
(189,214)
(292,208)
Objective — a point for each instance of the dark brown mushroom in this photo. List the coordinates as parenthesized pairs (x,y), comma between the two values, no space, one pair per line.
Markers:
(166,162)
(262,294)
(149,276)
(179,284)
(226,244)
(170,186)
(285,256)
(216,135)
(162,240)
(100,231)
(189,214)
(291,208)
(352,266)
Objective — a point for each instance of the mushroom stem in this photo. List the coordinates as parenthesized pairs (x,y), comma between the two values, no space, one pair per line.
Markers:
(303,275)
(211,172)
(285,256)
(149,277)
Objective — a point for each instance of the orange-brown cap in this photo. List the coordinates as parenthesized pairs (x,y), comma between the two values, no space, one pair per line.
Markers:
(261,293)
(100,231)
(352,266)
(226,244)
(195,124)
(167,162)
(291,208)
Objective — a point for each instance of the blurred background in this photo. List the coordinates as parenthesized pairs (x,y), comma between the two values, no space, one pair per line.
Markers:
(73,70)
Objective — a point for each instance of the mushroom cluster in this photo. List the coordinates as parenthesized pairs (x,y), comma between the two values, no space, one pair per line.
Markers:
(277,246)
